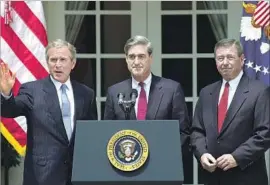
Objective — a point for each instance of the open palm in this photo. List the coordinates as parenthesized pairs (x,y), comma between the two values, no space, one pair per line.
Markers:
(7,80)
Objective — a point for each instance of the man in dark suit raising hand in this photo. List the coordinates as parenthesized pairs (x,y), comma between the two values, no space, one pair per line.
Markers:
(51,107)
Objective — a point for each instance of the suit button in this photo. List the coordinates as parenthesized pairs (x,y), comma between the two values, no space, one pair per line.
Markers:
(218,142)
(65,162)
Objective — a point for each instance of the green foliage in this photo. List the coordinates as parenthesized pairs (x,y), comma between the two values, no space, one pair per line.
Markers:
(9,156)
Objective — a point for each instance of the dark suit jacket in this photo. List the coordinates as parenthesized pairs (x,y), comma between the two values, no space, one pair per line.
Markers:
(166,101)
(245,133)
(49,153)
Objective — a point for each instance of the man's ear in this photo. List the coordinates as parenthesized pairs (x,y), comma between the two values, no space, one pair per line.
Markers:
(151,58)
(74,63)
(242,58)
(126,59)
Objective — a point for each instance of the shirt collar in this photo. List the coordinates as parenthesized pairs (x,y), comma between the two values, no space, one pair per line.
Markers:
(146,82)
(59,84)
(234,82)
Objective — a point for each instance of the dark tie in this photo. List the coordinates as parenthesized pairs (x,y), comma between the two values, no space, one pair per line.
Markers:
(142,104)
(222,107)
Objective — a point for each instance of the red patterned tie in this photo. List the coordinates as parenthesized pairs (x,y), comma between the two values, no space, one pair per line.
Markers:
(142,103)
(222,107)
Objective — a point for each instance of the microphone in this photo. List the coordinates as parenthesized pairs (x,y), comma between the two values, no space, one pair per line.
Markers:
(133,95)
(120,98)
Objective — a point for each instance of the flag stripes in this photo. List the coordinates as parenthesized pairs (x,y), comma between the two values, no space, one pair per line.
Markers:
(23,53)
(34,24)
(23,43)
(262,13)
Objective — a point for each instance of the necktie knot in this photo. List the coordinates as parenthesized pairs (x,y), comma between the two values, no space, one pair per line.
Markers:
(227,85)
(63,88)
(141,84)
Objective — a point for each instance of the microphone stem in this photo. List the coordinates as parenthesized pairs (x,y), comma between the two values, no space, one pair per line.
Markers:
(127,115)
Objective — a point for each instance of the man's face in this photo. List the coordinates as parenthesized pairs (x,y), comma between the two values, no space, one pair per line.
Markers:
(60,63)
(138,61)
(229,64)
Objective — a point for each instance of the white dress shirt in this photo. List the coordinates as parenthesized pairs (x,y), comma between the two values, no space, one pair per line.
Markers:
(232,88)
(70,96)
(147,85)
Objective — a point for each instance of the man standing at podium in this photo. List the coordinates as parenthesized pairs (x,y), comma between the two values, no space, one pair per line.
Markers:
(231,126)
(158,98)
(51,107)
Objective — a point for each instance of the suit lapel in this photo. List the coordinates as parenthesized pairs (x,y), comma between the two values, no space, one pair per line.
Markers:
(53,106)
(127,86)
(132,113)
(155,97)
(78,103)
(237,101)
(215,97)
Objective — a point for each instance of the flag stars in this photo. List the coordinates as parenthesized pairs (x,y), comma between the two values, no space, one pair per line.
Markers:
(249,64)
(257,68)
(265,70)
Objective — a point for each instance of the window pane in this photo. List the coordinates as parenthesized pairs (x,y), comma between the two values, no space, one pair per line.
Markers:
(80,5)
(179,70)
(85,72)
(113,71)
(211,5)
(206,38)
(206,66)
(81,30)
(115,5)
(176,34)
(115,31)
(176,5)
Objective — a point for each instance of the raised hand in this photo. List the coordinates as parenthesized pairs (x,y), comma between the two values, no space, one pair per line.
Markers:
(7,80)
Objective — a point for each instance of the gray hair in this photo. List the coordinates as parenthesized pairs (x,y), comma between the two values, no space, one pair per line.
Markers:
(138,40)
(229,43)
(58,43)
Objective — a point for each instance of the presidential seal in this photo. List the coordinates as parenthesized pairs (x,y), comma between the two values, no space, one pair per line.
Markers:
(127,150)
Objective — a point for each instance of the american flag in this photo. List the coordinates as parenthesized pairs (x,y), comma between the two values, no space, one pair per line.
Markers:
(255,38)
(262,14)
(23,42)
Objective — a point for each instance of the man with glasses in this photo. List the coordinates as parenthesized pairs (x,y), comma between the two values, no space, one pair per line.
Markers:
(158,98)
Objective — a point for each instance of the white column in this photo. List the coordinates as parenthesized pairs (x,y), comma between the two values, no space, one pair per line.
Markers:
(55,19)
(154,34)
